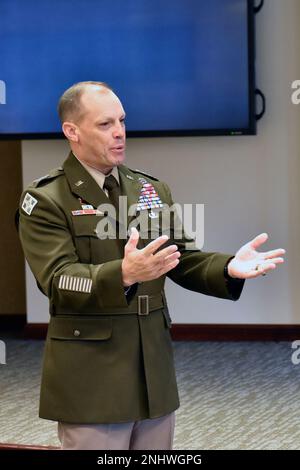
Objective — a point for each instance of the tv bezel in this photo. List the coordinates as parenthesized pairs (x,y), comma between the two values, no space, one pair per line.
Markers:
(250,130)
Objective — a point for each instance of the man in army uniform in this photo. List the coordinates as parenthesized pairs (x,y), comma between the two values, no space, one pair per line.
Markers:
(108,373)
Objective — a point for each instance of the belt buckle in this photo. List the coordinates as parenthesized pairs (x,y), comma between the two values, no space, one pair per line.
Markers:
(143,305)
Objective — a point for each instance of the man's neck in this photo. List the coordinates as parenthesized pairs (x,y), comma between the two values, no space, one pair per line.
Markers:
(104,171)
(98,175)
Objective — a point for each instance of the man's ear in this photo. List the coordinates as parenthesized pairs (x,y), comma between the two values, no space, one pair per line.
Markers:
(70,130)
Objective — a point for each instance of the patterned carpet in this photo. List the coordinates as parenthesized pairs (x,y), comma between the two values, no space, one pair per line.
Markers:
(233,396)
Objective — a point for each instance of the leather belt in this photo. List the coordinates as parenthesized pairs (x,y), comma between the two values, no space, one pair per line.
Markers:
(140,305)
(143,304)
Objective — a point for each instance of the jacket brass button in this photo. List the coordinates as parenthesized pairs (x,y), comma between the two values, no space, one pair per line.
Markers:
(76,333)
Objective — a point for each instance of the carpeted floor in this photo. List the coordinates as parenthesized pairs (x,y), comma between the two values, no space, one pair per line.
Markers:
(233,396)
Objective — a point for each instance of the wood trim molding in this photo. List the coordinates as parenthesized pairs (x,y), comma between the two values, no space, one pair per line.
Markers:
(36,330)
(207,332)
(239,332)
(10,320)
(4,446)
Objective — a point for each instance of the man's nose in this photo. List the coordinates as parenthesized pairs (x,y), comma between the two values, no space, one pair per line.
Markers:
(119,130)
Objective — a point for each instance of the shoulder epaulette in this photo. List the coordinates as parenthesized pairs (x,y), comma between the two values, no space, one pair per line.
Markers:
(45,179)
(145,174)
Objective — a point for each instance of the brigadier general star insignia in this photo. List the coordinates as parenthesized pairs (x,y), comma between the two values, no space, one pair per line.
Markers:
(28,203)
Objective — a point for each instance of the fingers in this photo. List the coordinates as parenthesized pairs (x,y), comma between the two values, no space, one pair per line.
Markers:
(155,245)
(275,261)
(169,260)
(273,253)
(164,260)
(266,262)
(263,268)
(259,240)
(175,255)
(170,265)
(261,271)
(133,240)
(172,257)
(269,267)
(162,254)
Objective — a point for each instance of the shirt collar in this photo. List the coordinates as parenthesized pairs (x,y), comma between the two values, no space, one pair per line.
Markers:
(98,176)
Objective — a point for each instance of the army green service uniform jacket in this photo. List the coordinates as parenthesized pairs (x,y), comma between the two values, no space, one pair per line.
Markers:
(108,356)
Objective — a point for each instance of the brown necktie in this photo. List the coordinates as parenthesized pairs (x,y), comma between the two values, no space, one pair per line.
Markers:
(113,189)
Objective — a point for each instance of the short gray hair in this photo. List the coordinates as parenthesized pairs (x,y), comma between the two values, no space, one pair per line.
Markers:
(69,106)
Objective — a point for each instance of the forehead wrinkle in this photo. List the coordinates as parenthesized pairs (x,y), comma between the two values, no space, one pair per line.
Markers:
(106,117)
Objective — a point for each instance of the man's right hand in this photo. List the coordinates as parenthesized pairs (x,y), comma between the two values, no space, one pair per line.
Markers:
(148,263)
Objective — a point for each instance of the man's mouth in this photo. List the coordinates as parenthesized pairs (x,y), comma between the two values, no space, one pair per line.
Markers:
(118,148)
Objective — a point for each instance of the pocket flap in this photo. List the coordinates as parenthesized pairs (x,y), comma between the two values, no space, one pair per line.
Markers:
(85,225)
(82,329)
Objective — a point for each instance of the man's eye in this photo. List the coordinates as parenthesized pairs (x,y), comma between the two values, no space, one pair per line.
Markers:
(103,124)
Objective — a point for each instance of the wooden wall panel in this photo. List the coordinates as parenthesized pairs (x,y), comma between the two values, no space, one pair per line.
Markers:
(12,267)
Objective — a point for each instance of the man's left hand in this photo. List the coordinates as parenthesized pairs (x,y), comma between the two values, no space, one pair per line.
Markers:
(248,263)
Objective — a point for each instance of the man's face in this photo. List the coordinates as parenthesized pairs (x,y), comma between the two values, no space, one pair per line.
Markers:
(101,130)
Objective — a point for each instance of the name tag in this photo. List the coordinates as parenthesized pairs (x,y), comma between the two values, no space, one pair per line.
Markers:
(87,212)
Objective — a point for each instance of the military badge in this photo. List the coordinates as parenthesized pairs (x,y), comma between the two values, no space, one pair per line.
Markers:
(29,202)
(148,199)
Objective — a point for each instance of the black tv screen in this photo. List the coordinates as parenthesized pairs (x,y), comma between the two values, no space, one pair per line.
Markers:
(180,67)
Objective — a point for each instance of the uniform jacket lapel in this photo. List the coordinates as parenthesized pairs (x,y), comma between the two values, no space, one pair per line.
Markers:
(130,187)
(82,183)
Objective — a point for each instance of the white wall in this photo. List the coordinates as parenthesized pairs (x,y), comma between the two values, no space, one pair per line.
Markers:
(248,184)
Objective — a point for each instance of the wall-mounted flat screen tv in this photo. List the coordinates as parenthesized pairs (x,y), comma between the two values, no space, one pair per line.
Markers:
(180,67)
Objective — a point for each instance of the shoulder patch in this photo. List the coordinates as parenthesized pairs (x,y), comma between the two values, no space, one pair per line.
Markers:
(28,204)
(45,179)
(145,174)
